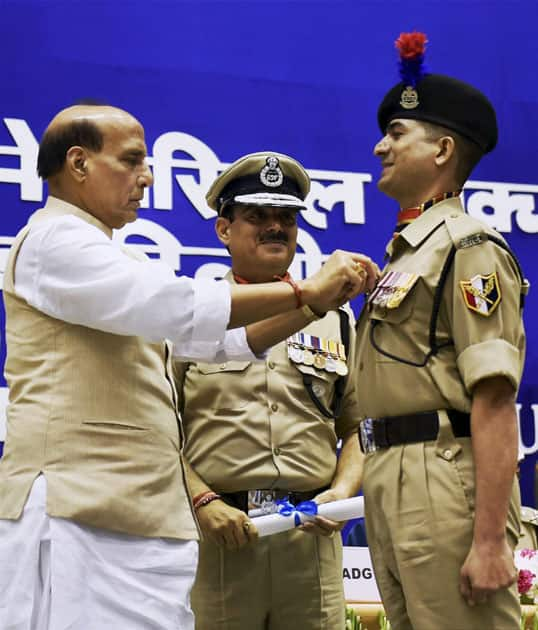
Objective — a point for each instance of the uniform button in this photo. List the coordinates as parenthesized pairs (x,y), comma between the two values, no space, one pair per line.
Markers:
(223,366)
(361,366)
(271,365)
(276,450)
(447,454)
(274,407)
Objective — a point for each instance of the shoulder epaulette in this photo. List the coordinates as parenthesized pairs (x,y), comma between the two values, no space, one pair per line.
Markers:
(465,231)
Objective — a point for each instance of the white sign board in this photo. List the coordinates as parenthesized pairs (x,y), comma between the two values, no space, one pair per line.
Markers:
(359,580)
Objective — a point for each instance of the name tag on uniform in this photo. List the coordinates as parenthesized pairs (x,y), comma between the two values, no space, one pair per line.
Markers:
(392,289)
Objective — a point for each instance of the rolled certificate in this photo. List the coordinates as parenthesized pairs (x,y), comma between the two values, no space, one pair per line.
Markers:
(342,510)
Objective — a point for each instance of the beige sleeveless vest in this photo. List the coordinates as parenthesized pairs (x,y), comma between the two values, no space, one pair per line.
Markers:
(96,414)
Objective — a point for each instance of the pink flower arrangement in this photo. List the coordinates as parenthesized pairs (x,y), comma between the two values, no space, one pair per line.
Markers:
(527,584)
(525,581)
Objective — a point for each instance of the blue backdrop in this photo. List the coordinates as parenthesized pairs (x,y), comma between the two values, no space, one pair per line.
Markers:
(214,80)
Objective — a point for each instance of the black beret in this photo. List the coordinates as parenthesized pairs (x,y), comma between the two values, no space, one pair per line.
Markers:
(443,101)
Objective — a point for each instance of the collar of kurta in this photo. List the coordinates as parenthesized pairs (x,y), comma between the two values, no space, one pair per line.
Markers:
(424,224)
(59,207)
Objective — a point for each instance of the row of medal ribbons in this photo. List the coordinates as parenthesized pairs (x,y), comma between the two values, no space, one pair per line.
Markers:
(392,289)
(323,354)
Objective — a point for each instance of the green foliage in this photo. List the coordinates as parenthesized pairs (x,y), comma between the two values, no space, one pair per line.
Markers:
(353,621)
(523,624)
(384,623)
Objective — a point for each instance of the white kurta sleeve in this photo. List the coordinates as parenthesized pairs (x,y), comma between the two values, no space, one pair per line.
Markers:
(234,347)
(72,271)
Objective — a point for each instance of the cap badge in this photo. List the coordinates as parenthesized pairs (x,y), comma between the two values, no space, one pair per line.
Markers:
(271,175)
(409,98)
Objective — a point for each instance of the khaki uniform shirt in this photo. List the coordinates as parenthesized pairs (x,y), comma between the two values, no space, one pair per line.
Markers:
(253,425)
(478,345)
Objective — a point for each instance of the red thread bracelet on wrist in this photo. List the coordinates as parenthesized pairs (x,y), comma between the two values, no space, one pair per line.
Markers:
(199,496)
(205,498)
(296,288)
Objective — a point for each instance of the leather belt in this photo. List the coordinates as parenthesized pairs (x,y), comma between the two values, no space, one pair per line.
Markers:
(376,433)
(239,499)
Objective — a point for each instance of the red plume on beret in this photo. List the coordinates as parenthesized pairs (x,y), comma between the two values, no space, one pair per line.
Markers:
(411,47)
(436,98)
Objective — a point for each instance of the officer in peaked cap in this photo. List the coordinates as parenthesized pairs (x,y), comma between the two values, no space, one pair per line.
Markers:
(261,179)
(442,345)
(257,433)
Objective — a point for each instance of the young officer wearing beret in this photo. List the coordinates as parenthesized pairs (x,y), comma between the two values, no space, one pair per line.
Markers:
(258,433)
(441,347)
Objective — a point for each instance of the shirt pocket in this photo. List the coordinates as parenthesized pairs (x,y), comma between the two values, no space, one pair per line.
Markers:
(224,386)
(396,315)
(390,332)
(322,383)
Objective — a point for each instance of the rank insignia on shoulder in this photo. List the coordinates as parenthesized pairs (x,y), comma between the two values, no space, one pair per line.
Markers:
(470,241)
(481,294)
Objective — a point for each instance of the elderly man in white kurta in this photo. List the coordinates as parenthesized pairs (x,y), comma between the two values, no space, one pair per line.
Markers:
(96,524)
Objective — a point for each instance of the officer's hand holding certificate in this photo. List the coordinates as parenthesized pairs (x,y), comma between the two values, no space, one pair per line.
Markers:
(289,518)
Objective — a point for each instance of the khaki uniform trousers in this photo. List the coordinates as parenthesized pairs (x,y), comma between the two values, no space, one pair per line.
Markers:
(281,582)
(419,509)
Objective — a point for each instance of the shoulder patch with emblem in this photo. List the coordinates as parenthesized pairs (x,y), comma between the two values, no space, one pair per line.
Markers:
(481,294)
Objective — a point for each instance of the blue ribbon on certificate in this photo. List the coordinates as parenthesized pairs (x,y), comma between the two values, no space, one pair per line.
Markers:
(305,507)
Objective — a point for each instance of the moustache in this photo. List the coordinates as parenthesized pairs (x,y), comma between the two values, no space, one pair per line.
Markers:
(274,237)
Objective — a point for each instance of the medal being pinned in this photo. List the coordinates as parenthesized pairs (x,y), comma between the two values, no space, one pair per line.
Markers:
(392,289)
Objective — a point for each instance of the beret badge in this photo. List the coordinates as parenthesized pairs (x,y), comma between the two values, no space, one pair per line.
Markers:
(271,174)
(409,98)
